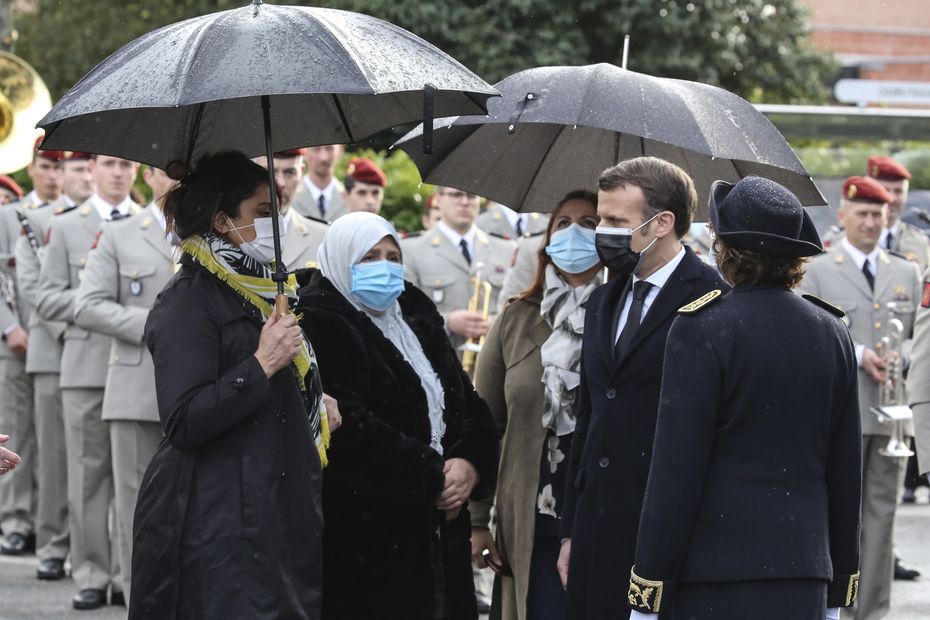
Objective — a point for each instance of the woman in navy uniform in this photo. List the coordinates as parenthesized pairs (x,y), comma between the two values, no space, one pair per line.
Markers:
(752,504)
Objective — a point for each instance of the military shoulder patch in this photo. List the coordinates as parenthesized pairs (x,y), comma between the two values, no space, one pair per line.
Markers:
(925,296)
(700,302)
(825,305)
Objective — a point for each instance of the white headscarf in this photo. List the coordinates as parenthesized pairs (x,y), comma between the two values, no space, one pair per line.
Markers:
(346,242)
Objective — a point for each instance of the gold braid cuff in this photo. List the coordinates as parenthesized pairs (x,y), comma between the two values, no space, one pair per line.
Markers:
(645,594)
(852,590)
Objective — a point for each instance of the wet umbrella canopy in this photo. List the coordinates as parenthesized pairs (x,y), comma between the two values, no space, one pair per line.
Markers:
(194,87)
(259,79)
(555,129)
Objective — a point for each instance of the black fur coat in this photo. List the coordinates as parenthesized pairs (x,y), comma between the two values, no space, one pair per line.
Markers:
(382,555)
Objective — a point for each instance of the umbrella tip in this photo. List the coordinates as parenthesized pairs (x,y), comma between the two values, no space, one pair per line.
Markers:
(257,2)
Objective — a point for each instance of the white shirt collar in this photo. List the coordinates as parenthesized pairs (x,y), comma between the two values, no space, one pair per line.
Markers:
(104,208)
(285,222)
(661,276)
(33,198)
(315,191)
(455,238)
(859,256)
(158,215)
(68,200)
(512,216)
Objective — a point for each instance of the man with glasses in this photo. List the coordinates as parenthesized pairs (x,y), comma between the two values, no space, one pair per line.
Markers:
(444,260)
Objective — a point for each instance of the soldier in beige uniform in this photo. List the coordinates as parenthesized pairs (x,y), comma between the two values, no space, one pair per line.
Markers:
(918,378)
(43,364)
(10,191)
(443,261)
(319,194)
(496,219)
(302,235)
(862,279)
(84,366)
(130,264)
(897,235)
(17,489)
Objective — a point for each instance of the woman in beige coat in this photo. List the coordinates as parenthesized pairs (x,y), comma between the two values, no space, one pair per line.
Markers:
(528,373)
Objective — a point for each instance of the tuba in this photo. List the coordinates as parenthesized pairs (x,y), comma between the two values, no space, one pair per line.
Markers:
(24,100)
(892,406)
(480,301)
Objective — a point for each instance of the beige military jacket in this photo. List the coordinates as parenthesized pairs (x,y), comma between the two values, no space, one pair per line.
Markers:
(493,221)
(131,263)
(438,268)
(521,275)
(45,337)
(85,357)
(909,241)
(302,240)
(835,277)
(13,311)
(918,378)
(304,203)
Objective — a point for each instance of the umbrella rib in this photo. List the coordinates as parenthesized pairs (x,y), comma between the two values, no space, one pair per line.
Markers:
(195,130)
(542,161)
(342,117)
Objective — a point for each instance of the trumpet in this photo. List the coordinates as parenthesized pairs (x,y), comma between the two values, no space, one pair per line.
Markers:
(480,301)
(892,407)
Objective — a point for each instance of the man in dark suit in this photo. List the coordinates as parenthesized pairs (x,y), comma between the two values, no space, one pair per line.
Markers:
(645,207)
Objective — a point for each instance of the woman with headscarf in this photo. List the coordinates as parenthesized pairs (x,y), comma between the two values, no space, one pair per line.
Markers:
(229,518)
(528,373)
(416,443)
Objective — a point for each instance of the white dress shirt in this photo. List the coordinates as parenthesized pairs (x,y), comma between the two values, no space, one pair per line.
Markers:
(326,192)
(859,257)
(513,217)
(456,239)
(104,208)
(657,280)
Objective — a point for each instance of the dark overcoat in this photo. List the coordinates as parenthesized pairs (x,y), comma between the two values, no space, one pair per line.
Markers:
(382,557)
(756,472)
(618,402)
(228,522)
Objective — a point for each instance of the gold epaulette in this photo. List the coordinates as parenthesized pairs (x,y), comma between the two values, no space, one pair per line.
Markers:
(824,304)
(700,302)
(645,594)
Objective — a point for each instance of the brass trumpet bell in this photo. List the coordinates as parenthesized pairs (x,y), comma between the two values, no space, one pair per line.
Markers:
(24,100)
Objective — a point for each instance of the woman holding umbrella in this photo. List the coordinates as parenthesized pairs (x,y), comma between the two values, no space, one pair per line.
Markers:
(417,442)
(229,518)
(528,373)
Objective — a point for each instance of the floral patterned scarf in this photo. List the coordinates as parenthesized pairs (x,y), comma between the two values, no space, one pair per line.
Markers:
(252,280)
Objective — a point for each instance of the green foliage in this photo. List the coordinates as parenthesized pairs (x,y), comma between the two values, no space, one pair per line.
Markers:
(849,159)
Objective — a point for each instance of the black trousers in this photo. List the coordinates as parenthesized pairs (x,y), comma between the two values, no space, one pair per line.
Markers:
(774,599)
(545,599)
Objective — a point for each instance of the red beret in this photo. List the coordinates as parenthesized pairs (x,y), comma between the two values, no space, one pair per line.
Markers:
(366,171)
(286,154)
(430,202)
(55,156)
(865,189)
(9,184)
(75,156)
(884,168)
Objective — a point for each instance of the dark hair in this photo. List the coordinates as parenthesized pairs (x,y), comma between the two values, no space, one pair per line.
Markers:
(218,183)
(739,266)
(665,186)
(543,259)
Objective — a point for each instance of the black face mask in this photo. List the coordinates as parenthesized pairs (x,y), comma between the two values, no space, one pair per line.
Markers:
(614,251)
(613,248)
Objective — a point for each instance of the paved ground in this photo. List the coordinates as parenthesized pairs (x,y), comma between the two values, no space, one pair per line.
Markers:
(22,597)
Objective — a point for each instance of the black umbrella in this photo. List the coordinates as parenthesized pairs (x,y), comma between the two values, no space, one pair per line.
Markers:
(555,129)
(259,79)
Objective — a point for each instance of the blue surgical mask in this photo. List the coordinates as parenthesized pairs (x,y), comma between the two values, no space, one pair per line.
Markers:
(572,249)
(377,284)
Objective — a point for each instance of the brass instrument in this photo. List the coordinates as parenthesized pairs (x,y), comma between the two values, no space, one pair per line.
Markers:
(892,406)
(480,301)
(8,292)
(24,100)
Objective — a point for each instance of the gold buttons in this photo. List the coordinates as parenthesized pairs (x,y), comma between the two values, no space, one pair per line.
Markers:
(878,325)
(877,306)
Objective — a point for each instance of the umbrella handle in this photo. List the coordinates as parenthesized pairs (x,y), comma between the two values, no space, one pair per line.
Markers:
(281,307)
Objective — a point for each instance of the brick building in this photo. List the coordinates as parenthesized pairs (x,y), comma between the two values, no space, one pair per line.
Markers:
(875,39)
